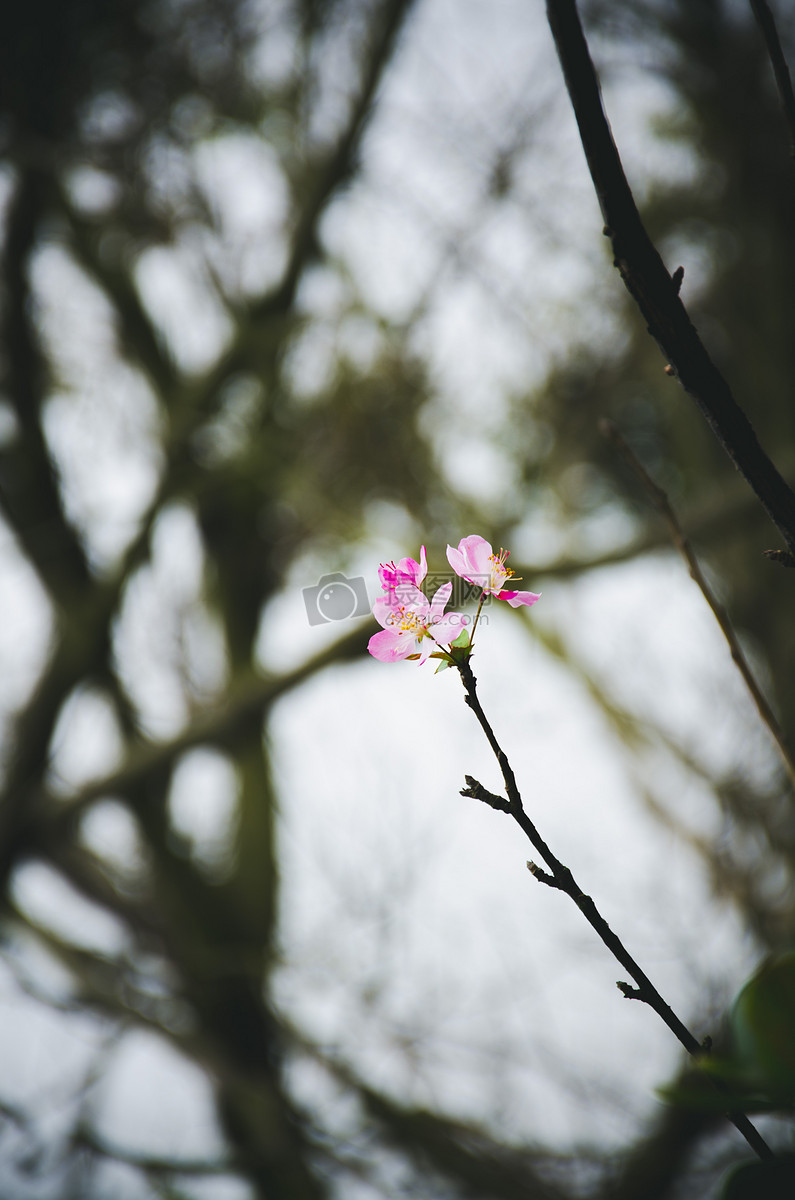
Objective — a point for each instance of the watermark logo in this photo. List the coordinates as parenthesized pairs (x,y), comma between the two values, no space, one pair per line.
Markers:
(336,598)
(465,591)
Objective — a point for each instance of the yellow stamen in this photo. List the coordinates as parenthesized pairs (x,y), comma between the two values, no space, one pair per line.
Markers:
(499,570)
(406,621)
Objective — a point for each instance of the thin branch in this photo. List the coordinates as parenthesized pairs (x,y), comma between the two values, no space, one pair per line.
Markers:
(653,289)
(458,1151)
(137,333)
(29,492)
(335,170)
(742,883)
(680,540)
(150,1163)
(749,814)
(562,879)
(714,516)
(51,819)
(767,24)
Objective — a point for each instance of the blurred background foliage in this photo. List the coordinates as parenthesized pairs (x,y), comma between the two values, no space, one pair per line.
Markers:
(210,398)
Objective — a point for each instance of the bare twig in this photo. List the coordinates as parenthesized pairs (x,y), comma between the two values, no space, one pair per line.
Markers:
(476,790)
(560,877)
(653,289)
(680,540)
(767,24)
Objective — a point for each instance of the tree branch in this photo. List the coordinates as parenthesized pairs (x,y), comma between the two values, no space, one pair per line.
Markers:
(51,819)
(653,289)
(562,879)
(663,504)
(29,490)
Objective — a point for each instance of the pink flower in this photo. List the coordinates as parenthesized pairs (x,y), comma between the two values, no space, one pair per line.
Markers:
(408,573)
(476,561)
(412,623)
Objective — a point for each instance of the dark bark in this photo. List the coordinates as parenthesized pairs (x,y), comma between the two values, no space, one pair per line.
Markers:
(649,283)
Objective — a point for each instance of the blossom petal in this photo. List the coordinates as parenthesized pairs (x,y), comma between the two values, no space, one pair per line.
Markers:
(403,595)
(457,561)
(439,600)
(470,556)
(416,571)
(424,648)
(472,559)
(448,628)
(391,646)
(478,553)
(408,595)
(408,570)
(384,610)
(515,599)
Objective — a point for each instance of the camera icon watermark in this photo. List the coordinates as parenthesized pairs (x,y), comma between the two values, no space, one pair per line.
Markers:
(336,598)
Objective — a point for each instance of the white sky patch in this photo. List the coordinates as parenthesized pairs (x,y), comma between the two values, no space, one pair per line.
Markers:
(202,805)
(170,652)
(248,252)
(52,902)
(102,438)
(86,743)
(25,619)
(110,830)
(45,1057)
(154,1100)
(479,469)
(176,290)
(102,425)
(92,190)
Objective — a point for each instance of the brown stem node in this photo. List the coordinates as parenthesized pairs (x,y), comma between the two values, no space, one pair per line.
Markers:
(542,876)
(476,790)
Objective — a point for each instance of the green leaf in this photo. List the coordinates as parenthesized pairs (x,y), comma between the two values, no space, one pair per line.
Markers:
(763,1028)
(757,1070)
(761,1181)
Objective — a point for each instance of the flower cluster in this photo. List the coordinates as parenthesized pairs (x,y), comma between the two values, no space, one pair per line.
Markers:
(411,624)
(413,627)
